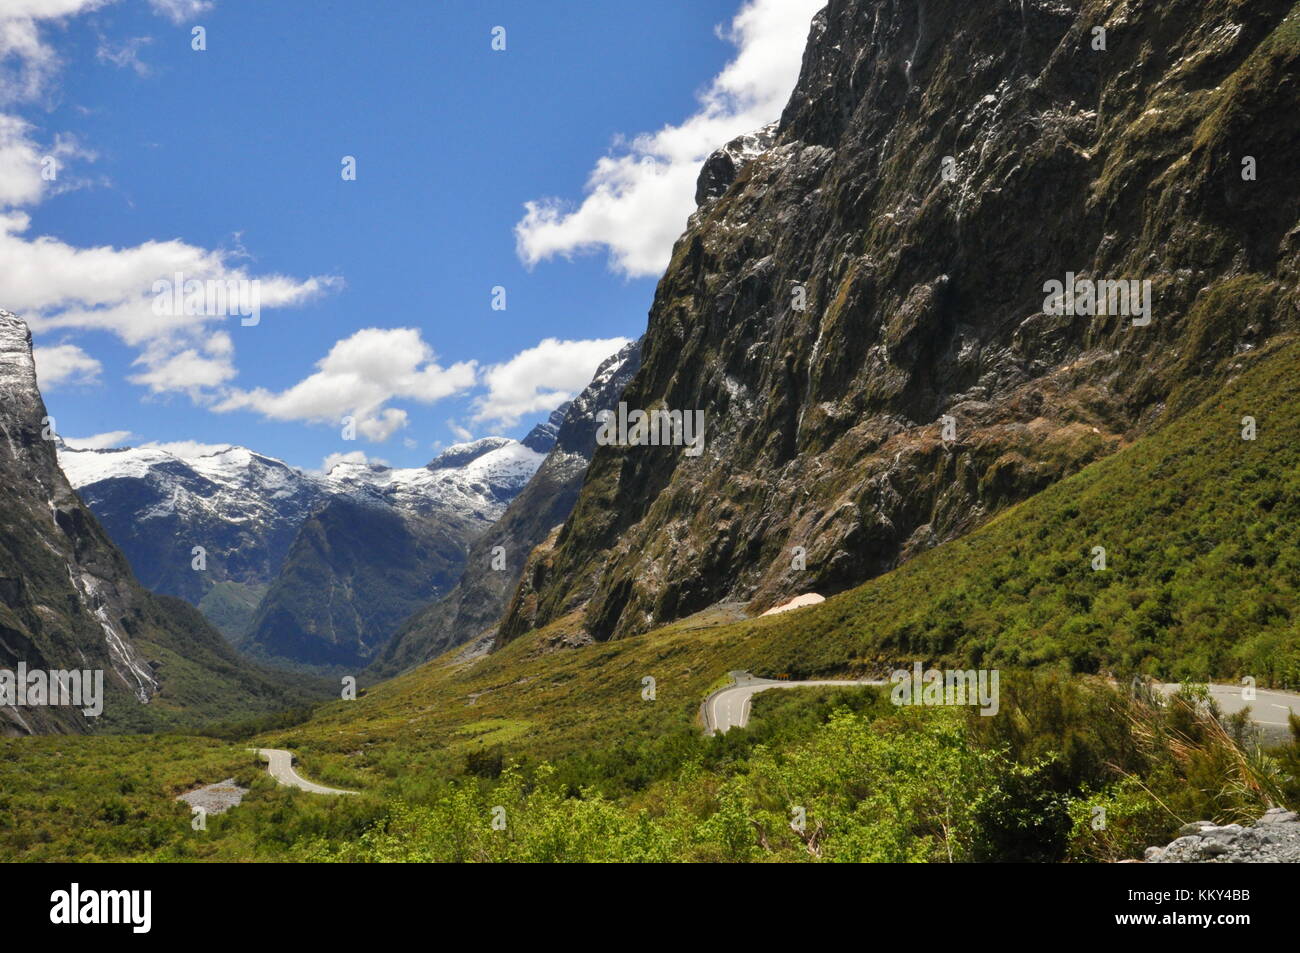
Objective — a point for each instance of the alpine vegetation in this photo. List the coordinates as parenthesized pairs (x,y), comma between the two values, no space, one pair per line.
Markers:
(935,687)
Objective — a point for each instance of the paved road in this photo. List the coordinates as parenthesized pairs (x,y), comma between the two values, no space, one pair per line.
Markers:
(280,765)
(1269,709)
(728,707)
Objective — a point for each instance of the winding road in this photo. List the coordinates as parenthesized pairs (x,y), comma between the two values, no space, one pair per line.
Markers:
(279,764)
(728,707)
(1269,708)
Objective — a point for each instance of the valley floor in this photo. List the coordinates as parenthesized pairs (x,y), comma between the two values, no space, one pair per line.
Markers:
(545,751)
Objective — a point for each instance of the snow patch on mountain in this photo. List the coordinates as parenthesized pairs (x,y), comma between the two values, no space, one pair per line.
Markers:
(237,483)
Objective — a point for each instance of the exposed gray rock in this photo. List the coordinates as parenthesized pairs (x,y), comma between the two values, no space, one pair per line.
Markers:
(68,599)
(882,266)
(1273,839)
(215,798)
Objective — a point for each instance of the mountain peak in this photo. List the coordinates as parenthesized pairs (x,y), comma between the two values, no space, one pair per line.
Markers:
(542,437)
(16,363)
(459,454)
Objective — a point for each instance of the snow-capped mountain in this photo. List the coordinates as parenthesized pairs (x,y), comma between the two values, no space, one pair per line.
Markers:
(476,478)
(69,601)
(477,600)
(245,509)
(386,544)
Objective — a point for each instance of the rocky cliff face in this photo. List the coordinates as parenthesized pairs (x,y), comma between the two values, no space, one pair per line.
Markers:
(860,308)
(476,603)
(68,599)
(385,546)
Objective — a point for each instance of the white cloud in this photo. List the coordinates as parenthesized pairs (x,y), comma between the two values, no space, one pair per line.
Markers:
(125,54)
(55,286)
(358,378)
(64,364)
(186,449)
(27,62)
(638,200)
(188,371)
(540,379)
(181,11)
(23,164)
(463,434)
(100,441)
(352,456)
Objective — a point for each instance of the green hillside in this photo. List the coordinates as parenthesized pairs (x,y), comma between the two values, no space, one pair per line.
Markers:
(1202,564)
(1200,584)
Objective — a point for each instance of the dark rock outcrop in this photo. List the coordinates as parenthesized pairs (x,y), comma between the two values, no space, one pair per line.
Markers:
(68,599)
(862,314)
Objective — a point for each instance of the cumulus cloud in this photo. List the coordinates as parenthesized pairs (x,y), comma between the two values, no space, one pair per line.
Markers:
(27,61)
(540,378)
(99,441)
(352,456)
(638,199)
(358,378)
(56,286)
(64,364)
(188,370)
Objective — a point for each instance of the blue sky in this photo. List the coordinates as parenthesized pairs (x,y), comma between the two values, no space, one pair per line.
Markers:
(476,168)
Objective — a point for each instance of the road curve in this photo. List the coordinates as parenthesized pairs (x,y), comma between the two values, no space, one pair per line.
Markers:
(1268,709)
(728,707)
(279,764)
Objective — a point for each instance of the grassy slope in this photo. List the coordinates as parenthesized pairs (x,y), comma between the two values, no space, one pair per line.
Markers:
(1202,562)
(1201,581)
(1202,557)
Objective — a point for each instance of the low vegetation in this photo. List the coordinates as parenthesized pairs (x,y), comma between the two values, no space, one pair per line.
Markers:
(560,745)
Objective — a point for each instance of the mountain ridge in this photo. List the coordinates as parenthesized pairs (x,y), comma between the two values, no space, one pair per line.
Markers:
(861,312)
(497,559)
(247,509)
(69,601)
